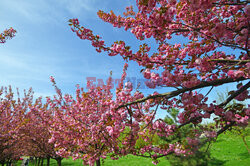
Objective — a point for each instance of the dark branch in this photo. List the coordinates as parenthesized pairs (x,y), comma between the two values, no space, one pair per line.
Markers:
(225,128)
(230,61)
(235,94)
(169,95)
(239,3)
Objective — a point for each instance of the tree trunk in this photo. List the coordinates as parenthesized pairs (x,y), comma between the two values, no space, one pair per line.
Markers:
(59,161)
(48,161)
(35,160)
(42,162)
(39,159)
(98,162)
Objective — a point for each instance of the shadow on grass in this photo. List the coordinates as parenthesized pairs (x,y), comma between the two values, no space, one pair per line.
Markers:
(244,155)
(220,140)
(64,164)
(216,162)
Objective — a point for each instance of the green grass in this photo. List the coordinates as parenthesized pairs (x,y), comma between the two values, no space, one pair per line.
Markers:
(131,160)
(123,161)
(65,162)
(228,150)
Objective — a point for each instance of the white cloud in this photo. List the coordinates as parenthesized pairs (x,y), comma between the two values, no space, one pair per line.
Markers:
(11,61)
(44,11)
(41,49)
(32,11)
(76,7)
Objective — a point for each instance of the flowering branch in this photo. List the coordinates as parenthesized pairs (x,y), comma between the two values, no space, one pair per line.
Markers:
(169,95)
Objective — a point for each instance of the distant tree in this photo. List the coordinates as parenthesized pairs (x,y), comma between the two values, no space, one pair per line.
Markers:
(12,111)
(35,133)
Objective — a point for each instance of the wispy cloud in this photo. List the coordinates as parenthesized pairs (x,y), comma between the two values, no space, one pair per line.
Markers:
(44,11)
(45,46)
(28,10)
(76,7)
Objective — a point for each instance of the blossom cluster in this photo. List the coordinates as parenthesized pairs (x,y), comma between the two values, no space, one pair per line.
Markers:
(7,34)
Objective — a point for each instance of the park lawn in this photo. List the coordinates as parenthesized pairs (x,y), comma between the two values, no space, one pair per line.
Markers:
(228,150)
(123,161)
(131,160)
(65,162)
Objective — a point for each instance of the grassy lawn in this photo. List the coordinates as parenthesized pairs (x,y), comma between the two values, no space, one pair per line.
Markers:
(229,150)
(131,160)
(124,161)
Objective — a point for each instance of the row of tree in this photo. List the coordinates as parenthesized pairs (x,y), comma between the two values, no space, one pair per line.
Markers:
(96,123)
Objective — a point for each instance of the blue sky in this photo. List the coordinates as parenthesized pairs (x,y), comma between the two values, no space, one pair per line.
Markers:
(44,45)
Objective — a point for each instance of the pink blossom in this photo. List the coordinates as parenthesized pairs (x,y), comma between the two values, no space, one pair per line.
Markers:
(147,74)
(235,74)
(110,130)
(247,10)
(229,116)
(247,111)
(129,85)
(52,79)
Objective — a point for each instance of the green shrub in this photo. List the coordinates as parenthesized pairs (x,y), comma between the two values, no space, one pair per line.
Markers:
(201,157)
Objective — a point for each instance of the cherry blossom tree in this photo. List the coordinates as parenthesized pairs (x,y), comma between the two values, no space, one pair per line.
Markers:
(90,127)
(35,133)
(12,111)
(208,26)
(97,123)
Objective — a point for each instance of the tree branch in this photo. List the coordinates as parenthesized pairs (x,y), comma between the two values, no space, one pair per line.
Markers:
(239,3)
(225,128)
(169,95)
(239,91)
(230,61)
